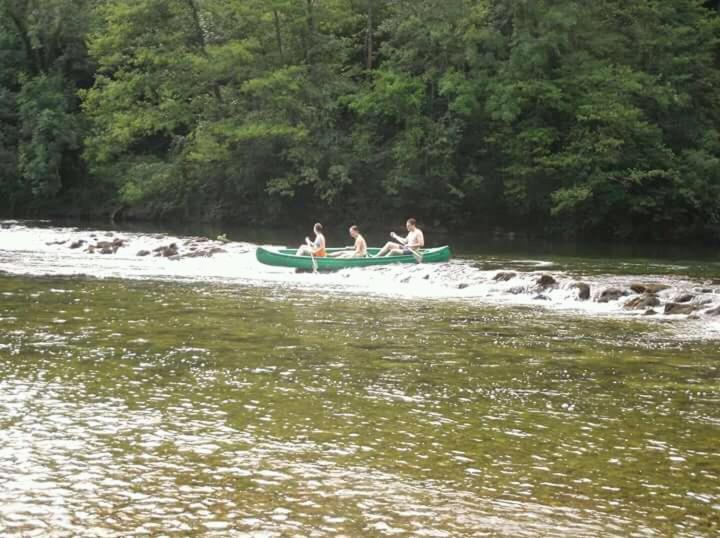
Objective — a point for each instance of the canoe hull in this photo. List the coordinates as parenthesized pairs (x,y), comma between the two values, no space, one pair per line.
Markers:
(287,258)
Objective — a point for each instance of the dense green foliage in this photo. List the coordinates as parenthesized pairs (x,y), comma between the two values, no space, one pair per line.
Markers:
(583,116)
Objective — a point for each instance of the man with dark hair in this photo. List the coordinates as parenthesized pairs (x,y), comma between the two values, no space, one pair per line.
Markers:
(404,245)
(360,245)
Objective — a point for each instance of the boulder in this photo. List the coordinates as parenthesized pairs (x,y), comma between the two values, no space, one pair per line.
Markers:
(648,288)
(649,312)
(642,301)
(166,251)
(143,252)
(462,285)
(107,250)
(504,276)
(679,308)
(546,281)
(583,290)
(684,298)
(77,244)
(611,294)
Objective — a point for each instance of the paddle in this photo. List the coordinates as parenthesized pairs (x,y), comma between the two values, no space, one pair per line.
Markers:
(312,257)
(417,255)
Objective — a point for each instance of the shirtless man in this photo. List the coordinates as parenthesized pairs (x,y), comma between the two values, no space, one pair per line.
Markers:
(360,246)
(313,248)
(404,245)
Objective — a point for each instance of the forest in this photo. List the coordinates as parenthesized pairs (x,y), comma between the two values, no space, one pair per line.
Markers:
(577,118)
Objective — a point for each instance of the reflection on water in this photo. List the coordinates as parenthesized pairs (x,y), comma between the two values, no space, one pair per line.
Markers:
(161,408)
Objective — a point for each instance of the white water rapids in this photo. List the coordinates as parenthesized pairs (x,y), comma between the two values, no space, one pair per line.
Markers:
(42,250)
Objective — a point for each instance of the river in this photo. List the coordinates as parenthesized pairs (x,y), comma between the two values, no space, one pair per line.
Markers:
(142,395)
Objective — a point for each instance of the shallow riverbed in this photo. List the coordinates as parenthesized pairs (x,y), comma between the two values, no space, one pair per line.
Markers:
(133,404)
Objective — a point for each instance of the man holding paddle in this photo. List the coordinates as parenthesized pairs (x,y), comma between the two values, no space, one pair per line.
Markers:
(404,245)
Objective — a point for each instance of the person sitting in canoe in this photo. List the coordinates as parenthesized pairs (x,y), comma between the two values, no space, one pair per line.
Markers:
(314,248)
(360,246)
(404,245)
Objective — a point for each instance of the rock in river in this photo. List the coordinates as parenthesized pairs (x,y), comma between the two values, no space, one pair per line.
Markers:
(642,301)
(648,288)
(678,308)
(504,276)
(611,294)
(583,290)
(546,281)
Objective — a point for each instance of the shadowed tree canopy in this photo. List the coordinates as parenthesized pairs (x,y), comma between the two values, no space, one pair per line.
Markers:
(574,117)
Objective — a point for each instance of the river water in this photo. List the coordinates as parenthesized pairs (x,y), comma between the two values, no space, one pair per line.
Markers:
(143,395)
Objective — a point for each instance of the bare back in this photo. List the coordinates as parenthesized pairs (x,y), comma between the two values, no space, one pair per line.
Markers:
(360,246)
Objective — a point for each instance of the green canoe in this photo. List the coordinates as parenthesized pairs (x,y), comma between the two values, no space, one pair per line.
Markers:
(285,257)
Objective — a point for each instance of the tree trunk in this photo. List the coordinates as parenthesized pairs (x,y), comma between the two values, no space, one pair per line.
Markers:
(310,44)
(200,40)
(278,35)
(369,36)
(33,57)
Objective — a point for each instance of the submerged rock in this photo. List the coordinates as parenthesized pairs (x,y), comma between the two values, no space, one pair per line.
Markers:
(462,285)
(684,298)
(713,311)
(77,244)
(678,308)
(583,290)
(648,288)
(612,294)
(649,312)
(642,301)
(143,253)
(504,276)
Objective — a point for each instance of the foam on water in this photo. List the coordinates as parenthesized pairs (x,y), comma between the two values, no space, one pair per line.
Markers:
(44,251)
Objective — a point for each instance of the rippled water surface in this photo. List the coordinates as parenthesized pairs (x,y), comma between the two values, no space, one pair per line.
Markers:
(133,407)
(210,395)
